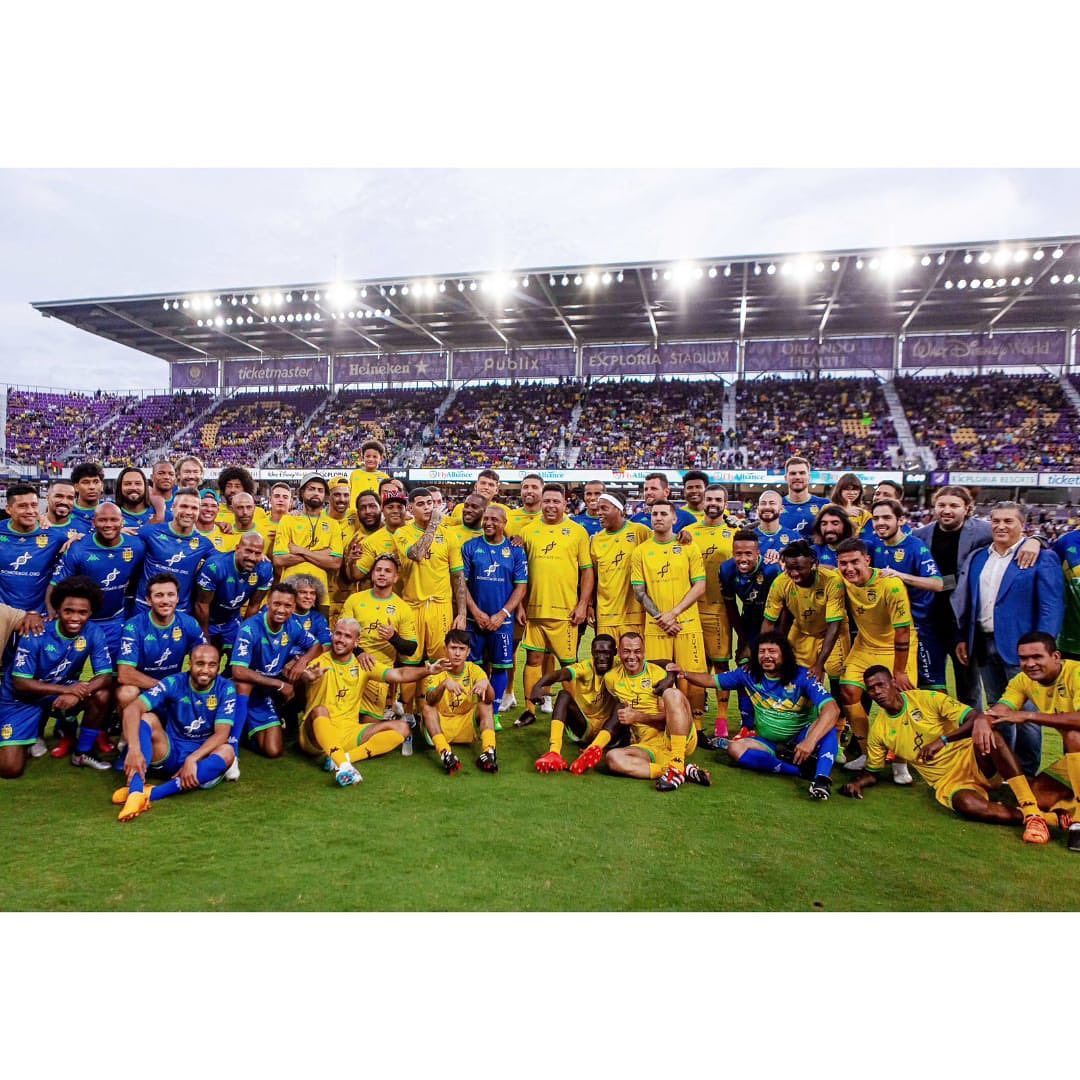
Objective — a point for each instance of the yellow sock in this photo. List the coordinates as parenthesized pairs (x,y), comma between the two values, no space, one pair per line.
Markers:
(860,722)
(1025,798)
(532,675)
(487,739)
(1072,768)
(441,742)
(656,770)
(408,697)
(328,738)
(556,737)
(678,752)
(602,739)
(382,742)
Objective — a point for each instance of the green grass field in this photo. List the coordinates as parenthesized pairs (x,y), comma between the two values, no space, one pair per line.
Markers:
(410,838)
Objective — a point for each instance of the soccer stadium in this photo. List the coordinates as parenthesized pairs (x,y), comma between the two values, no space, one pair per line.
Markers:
(761,532)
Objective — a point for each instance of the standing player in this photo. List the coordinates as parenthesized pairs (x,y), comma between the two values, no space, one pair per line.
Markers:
(590,519)
(133,498)
(367,475)
(831,528)
(281,506)
(456,700)
(309,542)
(487,485)
(1067,549)
(206,522)
(496,576)
(89,480)
(531,493)
(695,483)
(615,608)
(772,534)
(44,677)
(848,495)
(59,499)
(174,547)
(163,485)
(244,519)
(561,580)
(353,530)
(180,728)
(656,487)
(882,615)
(468,525)
(232,481)
(746,579)
(190,473)
(799,506)
(381,541)
(231,588)
(714,536)
(28,552)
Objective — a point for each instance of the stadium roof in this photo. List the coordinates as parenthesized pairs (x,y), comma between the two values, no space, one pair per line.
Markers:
(978,286)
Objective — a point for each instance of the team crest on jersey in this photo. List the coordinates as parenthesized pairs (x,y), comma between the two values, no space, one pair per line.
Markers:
(917,715)
(193,543)
(42,541)
(253,579)
(1062,692)
(211,702)
(284,640)
(871,595)
(646,683)
(177,633)
(391,609)
(676,550)
(898,556)
(565,532)
(760,579)
(80,644)
(6,731)
(505,553)
(819,594)
(128,555)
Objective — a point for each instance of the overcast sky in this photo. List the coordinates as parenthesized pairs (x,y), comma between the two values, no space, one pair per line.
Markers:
(81,233)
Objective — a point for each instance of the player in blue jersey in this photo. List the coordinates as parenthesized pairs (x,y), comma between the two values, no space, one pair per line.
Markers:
(89,480)
(231,588)
(266,679)
(44,676)
(180,728)
(831,527)
(656,488)
(59,499)
(799,507)
(795,717)
(174,547)
(163,486)
(496,579)
(28,553)
(906,557)
(310,605)
(590,519)
(773,537)
(133,498)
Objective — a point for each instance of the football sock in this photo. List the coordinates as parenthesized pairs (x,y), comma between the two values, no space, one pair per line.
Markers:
(1025,798)
(1072,769)
(556,737)
(602,739)
(500,679)
(146,745)
(827,750)
(206,771)
(656,771)
(860,723)
(87,735)
(487,739)
(532,675)
(763,761)
(441,742)
(382,742)
(678,752)
(240,718)
(721,728)
(326,735)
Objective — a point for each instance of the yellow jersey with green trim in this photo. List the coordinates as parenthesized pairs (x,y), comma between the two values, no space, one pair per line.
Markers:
(519,519)
(1060,696)
(454,517)
(321,533)
(360,480)
(453,704)
(813,606)
(341,688)
(879,608)
(668,571)
(371,611)
(428,579)
(556,554)
(586,687)
(461,533)
(715,543)
(637,692)
(926,714)
(380,542)
(611,553)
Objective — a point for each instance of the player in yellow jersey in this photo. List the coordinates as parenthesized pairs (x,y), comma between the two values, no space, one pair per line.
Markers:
(245,519)
(659,720)
(206,523)
(715,537)
(806,602)
(487,485)
(529,512)
(380,542)
(456,701)
(387,627)
(668,578)
(367,476)
(281,506)
(954,750)
(848,495)
(695,483)
(1046,691)
(586,706)
(355,523)
(468,527)
(309,542)
(232,481)
(334,726)
(615,607)
(561,579)
(885,635)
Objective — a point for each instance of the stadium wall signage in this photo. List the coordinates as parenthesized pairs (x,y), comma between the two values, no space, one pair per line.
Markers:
(239,373)
(200,376)
(1046,347)
(672,358)
(527,363)
(384,367)
(808,354)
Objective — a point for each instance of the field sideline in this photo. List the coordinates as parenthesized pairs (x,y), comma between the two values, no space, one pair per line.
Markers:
(411,838)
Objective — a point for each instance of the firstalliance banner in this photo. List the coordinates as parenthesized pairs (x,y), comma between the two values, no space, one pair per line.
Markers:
(808,354)
(202,375)
(390,367)
(268,372)
(553,363)
(1046,347)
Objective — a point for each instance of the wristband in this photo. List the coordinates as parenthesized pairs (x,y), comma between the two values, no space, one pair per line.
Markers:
(944,740)
(505,612)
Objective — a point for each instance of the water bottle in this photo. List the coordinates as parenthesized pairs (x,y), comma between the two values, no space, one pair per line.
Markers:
(406,746)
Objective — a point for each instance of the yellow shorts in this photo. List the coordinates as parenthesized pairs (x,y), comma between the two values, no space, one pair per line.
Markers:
(716,630)
(373,702)
(336,608)
(347,733)
(556,636)
(594,721)
(433,619)
(859,659)
(807,648)
(1056,771)
(687,649)
(658,746)
(965,775)
(621,624)
(457,729)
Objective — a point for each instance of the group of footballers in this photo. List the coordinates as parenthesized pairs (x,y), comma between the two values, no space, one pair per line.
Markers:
(187,623)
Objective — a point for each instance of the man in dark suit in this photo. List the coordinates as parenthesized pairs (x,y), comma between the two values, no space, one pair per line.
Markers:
(996,603)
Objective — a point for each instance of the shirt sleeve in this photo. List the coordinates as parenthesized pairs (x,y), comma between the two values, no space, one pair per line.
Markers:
(337,539)
(774,603)
(817,693)
(876,749)
(928,567)
(697,563)
(207,579)
(952,712)
(897,602)
(226,711)
(100,660)
(521,566)
(157,694)
(65,566)
(25,663)
(727,579)
(264,571)
(283,535)
(1015,694)
(453,554)
(129,646)
(637,567)
(731,680)
(835,609)
(584,555)
(244,648)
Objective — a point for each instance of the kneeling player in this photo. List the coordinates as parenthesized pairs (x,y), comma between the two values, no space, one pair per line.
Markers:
(933,732)
(788,738)
(585,706)
(336,682)
(658,715)
(455,701)
(179,728)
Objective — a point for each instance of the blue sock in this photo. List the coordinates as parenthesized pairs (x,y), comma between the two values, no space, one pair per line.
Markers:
(207,770)
(239,720)
(763,761)
(87,735)
(146,745)
(827,750)
(500,678)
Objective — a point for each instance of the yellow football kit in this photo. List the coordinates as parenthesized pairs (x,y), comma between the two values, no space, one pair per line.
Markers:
(457,712)
(812,608)
(586,687)
(427,586)
(360,480)
(320,533)
(519,519)
(341,692)
(618,609)
(668,571)
(879,608)
(371,611)
(380,542)
(636,691)
(557,554)
(715,543)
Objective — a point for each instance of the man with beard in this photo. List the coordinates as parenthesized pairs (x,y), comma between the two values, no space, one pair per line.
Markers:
(831,528)
(356,526)
(772,536)
(529,512)
(174,547)
(243,519)
(309,542)
(133,498)
(472,513)
(799,506)
(231,588)
(656,487)
(59,500)
(381,541)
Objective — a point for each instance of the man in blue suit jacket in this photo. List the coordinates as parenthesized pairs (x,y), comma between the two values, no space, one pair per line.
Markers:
(996,603)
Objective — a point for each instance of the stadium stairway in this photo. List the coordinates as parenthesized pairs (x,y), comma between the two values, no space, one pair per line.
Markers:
(569,450)
(1070,392)
(76,451)
(730,417)
(166,448)
(903,428)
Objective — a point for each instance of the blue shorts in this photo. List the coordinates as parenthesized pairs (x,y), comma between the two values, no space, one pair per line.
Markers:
(495,647)
(180,749)
(224,636)
(19,721)
(113,629)
(931,658)
(262,715)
